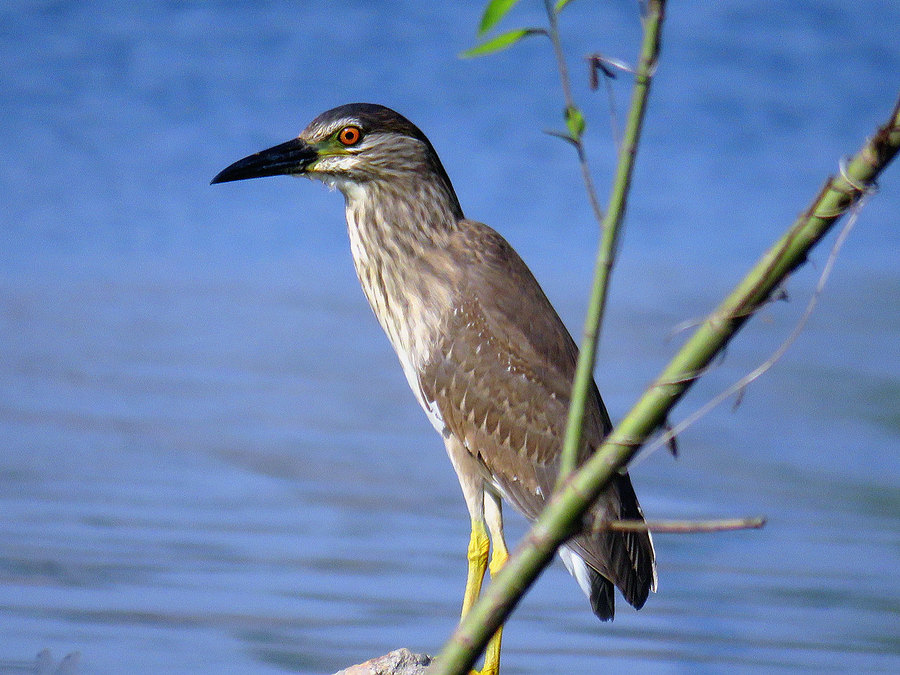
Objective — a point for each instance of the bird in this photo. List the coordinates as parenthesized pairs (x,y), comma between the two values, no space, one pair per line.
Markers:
(481,346)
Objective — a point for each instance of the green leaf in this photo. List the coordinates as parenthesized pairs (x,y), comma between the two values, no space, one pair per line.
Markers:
(574,122)
(500,42)
(560,4)
(495,10)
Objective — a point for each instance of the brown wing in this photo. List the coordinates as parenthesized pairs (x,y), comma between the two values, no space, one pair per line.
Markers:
(500,375)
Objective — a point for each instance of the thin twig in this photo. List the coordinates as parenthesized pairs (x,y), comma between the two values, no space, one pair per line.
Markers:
(683,526)
(553,33)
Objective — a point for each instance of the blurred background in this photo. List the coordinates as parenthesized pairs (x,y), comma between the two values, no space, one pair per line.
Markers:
(209,457)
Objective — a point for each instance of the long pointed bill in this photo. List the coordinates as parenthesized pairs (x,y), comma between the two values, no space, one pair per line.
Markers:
(288,158)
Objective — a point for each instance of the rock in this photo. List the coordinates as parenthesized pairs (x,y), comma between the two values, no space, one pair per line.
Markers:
(398,662)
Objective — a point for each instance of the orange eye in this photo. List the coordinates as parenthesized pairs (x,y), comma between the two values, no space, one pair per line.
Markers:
(350,135)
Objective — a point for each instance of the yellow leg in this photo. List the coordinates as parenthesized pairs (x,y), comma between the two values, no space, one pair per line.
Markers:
(492,654)
(485,515)
(479,546)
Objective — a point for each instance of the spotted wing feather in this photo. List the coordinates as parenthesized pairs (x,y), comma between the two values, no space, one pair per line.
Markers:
(500,374)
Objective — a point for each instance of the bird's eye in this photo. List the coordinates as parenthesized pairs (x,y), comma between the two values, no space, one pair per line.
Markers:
(350,135)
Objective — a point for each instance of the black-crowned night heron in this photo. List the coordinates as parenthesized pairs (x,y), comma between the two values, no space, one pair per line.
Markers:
(485,353)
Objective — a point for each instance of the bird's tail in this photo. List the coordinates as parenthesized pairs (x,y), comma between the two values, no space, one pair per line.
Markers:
(603,560)
(595,586)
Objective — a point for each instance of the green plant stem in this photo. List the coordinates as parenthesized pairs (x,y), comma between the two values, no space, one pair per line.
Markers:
(568,505)
(612,226)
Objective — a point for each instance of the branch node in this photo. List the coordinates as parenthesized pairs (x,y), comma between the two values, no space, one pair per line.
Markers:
(860,187)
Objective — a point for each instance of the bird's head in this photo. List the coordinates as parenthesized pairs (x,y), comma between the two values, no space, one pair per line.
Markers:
(348,146)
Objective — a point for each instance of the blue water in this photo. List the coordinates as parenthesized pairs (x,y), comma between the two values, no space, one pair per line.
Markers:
(209,458)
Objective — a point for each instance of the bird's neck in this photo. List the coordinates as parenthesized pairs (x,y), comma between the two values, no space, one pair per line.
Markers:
(397,238)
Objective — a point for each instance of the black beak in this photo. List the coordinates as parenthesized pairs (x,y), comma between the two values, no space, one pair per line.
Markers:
(288,158)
